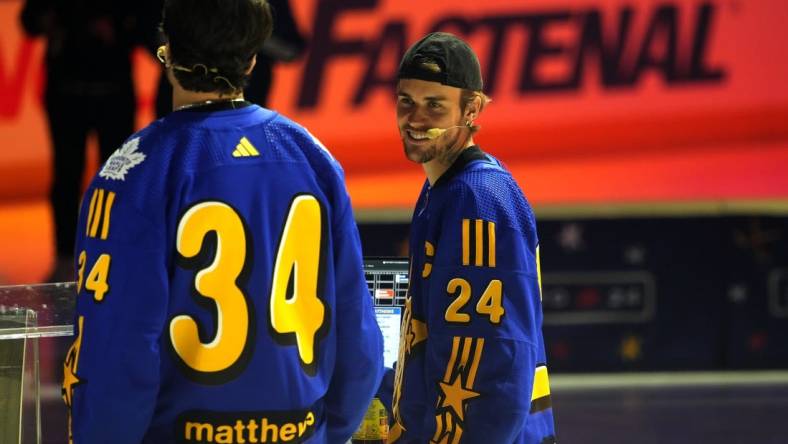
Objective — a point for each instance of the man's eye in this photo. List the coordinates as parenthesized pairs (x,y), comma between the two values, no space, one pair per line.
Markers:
(435,105)
(405,101)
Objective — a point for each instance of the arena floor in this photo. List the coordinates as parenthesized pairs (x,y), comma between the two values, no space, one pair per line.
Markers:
(675,408)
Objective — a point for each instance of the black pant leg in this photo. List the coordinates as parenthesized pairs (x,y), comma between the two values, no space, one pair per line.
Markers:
(68,127)
(163,97)
(114,121)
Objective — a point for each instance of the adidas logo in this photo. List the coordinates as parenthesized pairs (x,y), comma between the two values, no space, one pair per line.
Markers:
(245,149)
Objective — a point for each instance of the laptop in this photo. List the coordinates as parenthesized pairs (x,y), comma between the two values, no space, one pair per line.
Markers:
(387,280)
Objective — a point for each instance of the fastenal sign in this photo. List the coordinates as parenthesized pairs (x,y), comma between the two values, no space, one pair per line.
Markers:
(593,100)
(644,91)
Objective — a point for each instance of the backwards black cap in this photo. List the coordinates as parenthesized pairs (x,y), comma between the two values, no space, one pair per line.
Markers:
(444,58)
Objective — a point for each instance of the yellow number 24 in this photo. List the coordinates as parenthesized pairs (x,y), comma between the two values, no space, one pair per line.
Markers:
(490,304)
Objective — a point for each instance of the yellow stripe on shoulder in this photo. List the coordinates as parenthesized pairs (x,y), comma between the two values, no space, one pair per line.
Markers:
(91,208)
(97,214)
(541,383)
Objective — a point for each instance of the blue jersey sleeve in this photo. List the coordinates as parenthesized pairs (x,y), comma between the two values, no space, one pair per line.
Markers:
(111,373)
(359,361)
(358,366)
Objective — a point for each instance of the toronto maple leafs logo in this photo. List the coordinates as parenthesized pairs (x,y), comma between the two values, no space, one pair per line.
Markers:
(122,160)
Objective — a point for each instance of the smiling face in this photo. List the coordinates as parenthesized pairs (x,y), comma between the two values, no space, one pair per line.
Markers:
(422,105)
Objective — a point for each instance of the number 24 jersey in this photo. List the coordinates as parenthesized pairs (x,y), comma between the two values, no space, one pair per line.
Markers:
(472,366)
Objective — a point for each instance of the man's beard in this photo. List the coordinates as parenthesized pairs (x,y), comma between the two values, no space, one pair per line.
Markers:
(419,154)
(446,152)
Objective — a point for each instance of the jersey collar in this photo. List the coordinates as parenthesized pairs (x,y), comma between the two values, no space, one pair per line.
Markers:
(467,156)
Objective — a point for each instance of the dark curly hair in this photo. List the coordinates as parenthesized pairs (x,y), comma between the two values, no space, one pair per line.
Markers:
(220,35)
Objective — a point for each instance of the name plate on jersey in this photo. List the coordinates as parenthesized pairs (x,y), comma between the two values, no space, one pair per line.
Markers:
(207,427)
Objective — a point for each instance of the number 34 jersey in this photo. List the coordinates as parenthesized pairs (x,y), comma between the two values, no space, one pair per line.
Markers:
(472,365)
(221,295)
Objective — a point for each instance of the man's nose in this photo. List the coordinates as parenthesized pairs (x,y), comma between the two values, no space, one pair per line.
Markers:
(418,117)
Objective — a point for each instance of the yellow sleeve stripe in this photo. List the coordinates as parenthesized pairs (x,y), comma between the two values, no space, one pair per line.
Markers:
(97,213)
(477,357)
(466,351)
(479,241)
(449,428)
(541,383)
(457,435)
(466,234)
(90,212)
(539,271)
(438,427)
(455,347)
(78,342)
(457,389)
(107,212)
(475,242)
(491,243)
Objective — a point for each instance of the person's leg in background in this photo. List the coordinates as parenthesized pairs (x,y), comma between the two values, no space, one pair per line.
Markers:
(68,127)
(163,97)
(114,120)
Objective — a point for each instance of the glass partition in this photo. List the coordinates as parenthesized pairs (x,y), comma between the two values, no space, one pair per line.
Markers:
(35,330)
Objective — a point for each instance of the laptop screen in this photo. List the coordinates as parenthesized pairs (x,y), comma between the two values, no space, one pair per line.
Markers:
(387,280)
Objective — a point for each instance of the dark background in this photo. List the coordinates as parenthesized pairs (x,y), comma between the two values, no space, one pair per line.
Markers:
(667,293)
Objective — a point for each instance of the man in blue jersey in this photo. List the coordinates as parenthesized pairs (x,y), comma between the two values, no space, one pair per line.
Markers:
(472,365)
(221,295)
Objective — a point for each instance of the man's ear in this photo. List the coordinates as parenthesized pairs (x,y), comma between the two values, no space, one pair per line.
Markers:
(251,65)
(474,107)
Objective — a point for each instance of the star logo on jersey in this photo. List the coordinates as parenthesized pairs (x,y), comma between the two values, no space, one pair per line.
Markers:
(455,396)
(70,378)
(415,330)
(122,160)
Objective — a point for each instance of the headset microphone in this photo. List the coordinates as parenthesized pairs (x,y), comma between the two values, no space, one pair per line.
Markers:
(434,133)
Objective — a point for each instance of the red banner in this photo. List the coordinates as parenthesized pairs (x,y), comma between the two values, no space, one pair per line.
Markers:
(593,100)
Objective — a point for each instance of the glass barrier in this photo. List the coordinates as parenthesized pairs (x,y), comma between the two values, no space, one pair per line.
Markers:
(53,305)
(35,328)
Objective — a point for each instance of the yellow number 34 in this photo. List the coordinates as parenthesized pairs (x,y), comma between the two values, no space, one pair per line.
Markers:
(299,316)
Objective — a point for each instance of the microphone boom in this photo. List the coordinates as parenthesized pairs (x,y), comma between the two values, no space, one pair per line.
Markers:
(434,133)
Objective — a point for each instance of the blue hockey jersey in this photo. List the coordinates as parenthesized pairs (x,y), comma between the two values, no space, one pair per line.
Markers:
(472,365)
(221,294)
